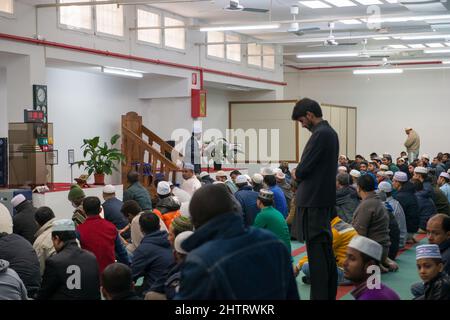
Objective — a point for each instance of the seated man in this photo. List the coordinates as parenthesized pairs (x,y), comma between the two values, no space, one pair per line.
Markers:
(43,245)
(363,256)
(70,263)
(343,233)
(346,197)
(371,218)
(438,230)
(153,258)
(11,286)
(247,198)
(137,192)
(23,220)
(111,211)
(221,246)
(168,206)
(271,219)
(117,283)
(430,267)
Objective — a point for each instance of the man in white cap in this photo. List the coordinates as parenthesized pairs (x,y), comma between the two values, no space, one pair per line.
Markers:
(444,184)
(355,174)
(412,144)
(257,182)
(285,187)
(112,213)
(222,177)
(406,197)
(205,178)
(23,220)
(396,209)
(247,198)
(192,151)
(168,206)
(190,183)
(430,268)
(425,159)
(6,224)
(342,169)
(421,174)
(363,257)
(70,262)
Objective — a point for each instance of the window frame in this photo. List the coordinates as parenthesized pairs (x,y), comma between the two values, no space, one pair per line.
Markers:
(67,27)
(105,35)
(253,66)
(161,33)
(9,15)
(274,58)
(224,49)
(172,16)
(226,45)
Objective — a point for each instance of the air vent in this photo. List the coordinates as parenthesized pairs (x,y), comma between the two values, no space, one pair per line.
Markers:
(425,5)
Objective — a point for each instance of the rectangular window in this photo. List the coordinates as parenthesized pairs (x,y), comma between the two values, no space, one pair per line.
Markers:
(7,6)
(174,37)
(76,17)
(109,19)
(254,54)
(269,57)
(147,19)
(233,50)
(216,50)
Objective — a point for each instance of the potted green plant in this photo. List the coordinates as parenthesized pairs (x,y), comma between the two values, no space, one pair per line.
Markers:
(101,159)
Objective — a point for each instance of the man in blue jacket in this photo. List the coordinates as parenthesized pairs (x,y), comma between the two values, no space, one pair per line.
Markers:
(247,198)
(278,195)
(226,261)
(153,258)
(112,210)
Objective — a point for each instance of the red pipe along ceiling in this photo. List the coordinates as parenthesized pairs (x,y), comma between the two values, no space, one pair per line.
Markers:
(137,58)
(364,65)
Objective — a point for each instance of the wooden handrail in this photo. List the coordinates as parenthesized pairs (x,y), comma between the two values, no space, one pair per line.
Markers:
(155,138)
(155,153)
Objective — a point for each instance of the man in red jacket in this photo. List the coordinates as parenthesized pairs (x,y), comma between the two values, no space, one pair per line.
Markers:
(100,236)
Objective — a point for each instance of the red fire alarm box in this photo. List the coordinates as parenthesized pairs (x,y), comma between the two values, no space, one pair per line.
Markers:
(198,103)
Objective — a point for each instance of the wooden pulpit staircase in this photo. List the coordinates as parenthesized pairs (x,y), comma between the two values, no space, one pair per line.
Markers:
(146,153)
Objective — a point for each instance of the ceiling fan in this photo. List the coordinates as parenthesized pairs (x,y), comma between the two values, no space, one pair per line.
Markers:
(331,40)
(364,53)
(294,27)
(236,6)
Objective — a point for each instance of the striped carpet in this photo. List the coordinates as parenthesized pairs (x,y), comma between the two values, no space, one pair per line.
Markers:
(399,281)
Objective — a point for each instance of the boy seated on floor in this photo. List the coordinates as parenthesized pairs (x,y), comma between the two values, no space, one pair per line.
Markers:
(430,268)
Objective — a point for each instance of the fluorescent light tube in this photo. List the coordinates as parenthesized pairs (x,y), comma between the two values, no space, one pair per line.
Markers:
(435,45)
(416,46)
(122,72)
(406,19)
(427,36)
(381,38)
(398,46)
(369,2)
(327,55)
(341,3)
(315,4)
(437,51)
(378,71)
(237,28)
(350,21)
(446,62)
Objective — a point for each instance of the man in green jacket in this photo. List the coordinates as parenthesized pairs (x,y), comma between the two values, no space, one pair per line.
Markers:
(271,219)
(137,192)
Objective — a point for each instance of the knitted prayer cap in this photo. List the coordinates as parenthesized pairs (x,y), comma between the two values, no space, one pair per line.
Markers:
(181,224)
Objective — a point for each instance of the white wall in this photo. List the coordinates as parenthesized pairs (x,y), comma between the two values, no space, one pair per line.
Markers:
(84,105)
(386,105)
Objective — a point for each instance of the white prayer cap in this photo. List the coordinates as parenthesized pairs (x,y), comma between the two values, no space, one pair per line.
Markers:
(204,174)
(248,177)
(389,173)
(408,128)
(257,178)
(381,173)
(63,225)
(280,175)
(355,173)
(445,175)
(221,173)
(426,156)
(384,167)
(267,172)
(367,246)
(197,130)
(188,166)
(343,156)
(108,189)
(385,187)
(428,251)
(342,168)
(241,179)
(400,176)
(179,240)
(163,188)
(422,170)
(18,200)
(276,170)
